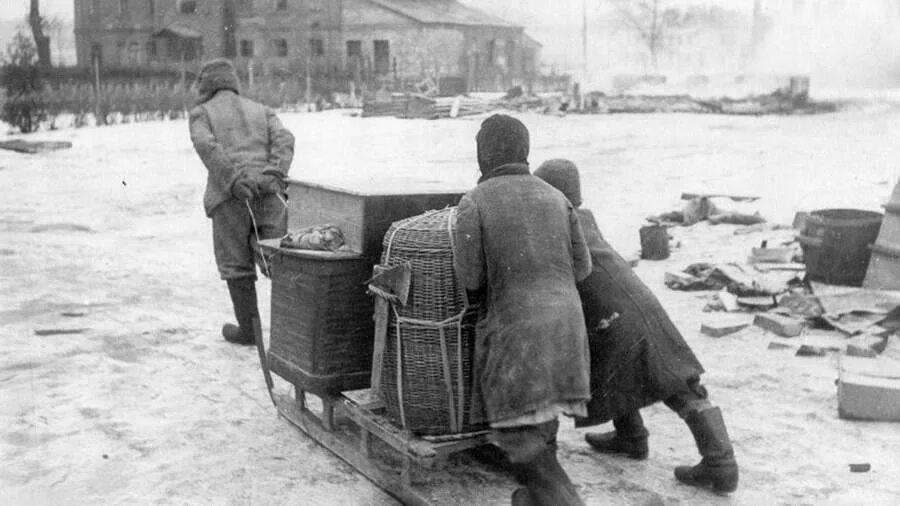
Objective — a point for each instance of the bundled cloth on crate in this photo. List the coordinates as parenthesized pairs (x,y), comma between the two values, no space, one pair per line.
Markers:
(426,376)
(317,237)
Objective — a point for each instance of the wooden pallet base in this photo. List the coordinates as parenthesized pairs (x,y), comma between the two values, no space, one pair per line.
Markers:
(348,427)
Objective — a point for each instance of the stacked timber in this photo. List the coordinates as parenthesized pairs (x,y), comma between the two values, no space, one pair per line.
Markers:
(395,106)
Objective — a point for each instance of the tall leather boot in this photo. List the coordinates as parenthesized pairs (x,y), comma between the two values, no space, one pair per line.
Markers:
(717,467)
(546,483)
(629,438)
(243,298)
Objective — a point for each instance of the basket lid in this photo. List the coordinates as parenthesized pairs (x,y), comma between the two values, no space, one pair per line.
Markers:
(274,245)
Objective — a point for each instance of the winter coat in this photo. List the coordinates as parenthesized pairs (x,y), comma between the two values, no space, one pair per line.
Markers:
(640,358)
(235,136)
(518,242)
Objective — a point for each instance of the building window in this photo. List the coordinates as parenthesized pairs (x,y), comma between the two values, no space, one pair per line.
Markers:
(281,5)
(491,52)
(152,50)
(316,47)
(382,51)
(188,7)
(121,54)
(354,49)
(97,54)
(279,47)
(247,48)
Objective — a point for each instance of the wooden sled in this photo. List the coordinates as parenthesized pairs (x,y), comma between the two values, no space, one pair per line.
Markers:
(351,424)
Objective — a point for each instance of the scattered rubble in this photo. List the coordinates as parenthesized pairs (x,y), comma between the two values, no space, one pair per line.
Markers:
(422,102)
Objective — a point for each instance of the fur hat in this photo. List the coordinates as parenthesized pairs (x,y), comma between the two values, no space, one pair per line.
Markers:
(563,175)
(215,75)
(501,140)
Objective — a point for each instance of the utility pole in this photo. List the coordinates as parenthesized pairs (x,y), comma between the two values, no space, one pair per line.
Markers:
(584,55)
(584,40)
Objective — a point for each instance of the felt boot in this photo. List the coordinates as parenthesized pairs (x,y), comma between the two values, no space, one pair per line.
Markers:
(243,298)
(629,438)
(717,468)
(546,483)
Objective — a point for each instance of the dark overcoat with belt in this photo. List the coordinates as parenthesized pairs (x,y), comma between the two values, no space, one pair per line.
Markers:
(518,242)
(638,356)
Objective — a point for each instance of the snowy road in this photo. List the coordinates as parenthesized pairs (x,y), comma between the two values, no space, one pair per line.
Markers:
(148,406)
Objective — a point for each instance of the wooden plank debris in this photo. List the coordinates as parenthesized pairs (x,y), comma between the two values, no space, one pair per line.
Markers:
(808,350)
(722,328)
(728,300)
(34,147)
(56,332)
(866,346)
(780,325)
(735,198)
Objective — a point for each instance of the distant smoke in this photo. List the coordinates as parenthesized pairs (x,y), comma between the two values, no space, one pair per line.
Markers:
(838,43)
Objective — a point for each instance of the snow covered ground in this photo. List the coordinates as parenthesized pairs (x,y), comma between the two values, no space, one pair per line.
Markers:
(149,406)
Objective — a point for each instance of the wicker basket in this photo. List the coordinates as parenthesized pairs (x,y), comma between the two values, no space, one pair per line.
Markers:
(427,366)
(322,328)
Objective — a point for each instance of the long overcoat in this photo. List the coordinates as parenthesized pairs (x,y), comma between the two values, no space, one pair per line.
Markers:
(638,356)
(517,240)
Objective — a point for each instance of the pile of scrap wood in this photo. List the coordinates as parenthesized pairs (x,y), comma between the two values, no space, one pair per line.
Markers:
(392,105)
(418,106)
(772,103)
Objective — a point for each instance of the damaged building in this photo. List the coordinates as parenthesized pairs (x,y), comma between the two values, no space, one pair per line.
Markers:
(362,40)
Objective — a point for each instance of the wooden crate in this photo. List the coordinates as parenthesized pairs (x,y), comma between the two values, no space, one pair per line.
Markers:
(869,389)
(322,319)
(363,217)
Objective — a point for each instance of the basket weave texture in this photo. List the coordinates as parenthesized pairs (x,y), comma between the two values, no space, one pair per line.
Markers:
(427,366)
(322,324)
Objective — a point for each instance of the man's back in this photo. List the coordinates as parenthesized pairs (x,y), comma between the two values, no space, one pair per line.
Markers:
(519,241)
(241,126)
(527,238)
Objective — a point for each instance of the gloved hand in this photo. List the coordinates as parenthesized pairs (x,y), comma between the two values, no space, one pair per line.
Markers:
(270,182)
(244,188)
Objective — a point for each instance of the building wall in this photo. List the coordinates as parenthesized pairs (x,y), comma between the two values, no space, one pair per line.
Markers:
(266,28)
(272,36)
(123,29)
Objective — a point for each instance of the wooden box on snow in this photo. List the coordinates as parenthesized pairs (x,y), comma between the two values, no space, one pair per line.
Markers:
(363,217)
(869,389)
(322,327)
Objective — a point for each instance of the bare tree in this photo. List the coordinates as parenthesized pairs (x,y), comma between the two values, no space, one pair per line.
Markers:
(652,21)
(37,31)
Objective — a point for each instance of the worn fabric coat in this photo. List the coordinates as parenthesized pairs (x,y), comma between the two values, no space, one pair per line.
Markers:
(235,136)
(641,358)
(518,242)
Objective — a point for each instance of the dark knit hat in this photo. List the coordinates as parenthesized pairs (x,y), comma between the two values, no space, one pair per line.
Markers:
(215,75)
(501,140)
(563,175)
